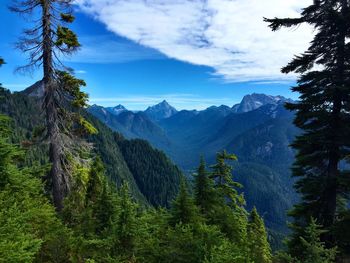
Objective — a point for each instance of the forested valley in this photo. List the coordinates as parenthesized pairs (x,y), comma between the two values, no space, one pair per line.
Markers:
(73,190)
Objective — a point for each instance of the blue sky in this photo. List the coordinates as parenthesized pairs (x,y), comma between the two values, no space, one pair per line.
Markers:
(137,62)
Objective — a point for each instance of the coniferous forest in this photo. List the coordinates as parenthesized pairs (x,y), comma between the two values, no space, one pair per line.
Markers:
(73,190)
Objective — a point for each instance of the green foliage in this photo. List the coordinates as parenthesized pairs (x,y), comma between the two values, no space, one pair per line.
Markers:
(183,209)
(29,228)
(71,85)
(125,230)
(258,247)
(89,212)
(222,174)
(157,178)
(102,225)
(87,126)
(314,250)
(135,162)
(66,37)
(228,212)
(68,18)
(283,257)
(226,252)
(324,117)
(205,195)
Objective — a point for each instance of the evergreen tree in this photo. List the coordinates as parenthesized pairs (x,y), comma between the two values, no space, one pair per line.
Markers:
(222,174)
(126,228)
(203,190)
(44,43)
(183,210)
(29,228)
(99,204)
(228,211)
(314,250)
(323,115)
(89,210)
(259,250)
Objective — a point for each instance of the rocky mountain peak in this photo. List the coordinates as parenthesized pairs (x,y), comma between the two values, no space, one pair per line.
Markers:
(256,100)
(35,90)
(160,111)
(117,109)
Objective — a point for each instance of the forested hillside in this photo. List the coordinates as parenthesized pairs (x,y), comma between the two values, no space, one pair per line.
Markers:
(259,130)
(74,189)
(161,174)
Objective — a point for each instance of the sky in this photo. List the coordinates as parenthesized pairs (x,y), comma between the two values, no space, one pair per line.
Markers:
(193,53)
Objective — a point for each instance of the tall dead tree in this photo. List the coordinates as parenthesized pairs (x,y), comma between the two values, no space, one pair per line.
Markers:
(45,42)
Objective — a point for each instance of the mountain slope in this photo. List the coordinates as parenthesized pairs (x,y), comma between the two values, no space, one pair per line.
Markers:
(258,130)
(131,125)
(25,113)
(255,101)
(117,109)
(160,111)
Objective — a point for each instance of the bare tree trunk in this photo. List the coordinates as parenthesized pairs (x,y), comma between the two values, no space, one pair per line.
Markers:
(59,182)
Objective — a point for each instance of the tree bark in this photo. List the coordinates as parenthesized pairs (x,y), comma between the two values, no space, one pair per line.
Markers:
(59,182)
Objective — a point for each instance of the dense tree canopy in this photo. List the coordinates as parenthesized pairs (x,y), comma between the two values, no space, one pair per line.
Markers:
(323,115)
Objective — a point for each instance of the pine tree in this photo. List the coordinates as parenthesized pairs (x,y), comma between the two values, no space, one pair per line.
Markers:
(203,189)
(222,174)
(314,250)
(183,210)
(99,205)
(323,115)
(89,210)
(29,229)
(45,43)
(259,250)
(126,225)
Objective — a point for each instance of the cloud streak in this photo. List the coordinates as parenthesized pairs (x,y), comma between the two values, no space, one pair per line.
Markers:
(227,35)
(106,50)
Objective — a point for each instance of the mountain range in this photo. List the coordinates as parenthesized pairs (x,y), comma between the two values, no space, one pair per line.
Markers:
(117,153)
(258,130)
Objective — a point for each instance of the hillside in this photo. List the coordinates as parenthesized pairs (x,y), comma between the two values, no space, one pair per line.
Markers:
(25,113)
(259,131)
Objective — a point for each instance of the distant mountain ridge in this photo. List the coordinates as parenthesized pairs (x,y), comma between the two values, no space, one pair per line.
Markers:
(255,101)
(130,124)
(160,111)
(258,130)
(153,169)
(117,109)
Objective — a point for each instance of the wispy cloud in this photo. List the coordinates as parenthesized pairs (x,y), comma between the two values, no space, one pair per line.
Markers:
(180,101)
(104,49)
(227,35)
(80,71)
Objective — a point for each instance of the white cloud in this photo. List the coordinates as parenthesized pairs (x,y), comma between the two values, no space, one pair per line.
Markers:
(227,35)
(80,71)
(104,49)
(179,101)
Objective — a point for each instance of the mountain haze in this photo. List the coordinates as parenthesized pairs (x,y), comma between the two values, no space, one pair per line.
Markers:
(258,130)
